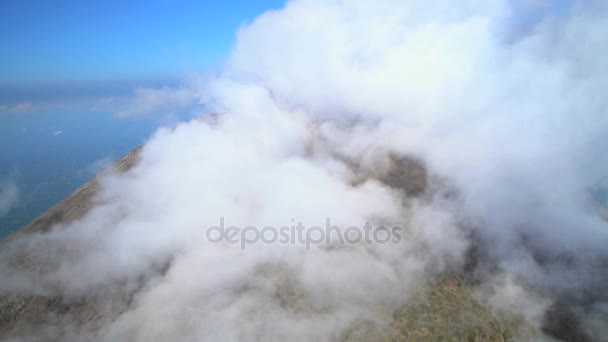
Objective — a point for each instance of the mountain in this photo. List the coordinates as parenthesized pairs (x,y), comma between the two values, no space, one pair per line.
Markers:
(26,316)
(445,309)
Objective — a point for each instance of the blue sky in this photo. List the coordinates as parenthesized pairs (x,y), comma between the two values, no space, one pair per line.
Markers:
(66,65)
(47,41)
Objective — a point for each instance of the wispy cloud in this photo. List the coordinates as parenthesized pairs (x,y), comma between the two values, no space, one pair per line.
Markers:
(9,195)
(22,107)
(19,107)
(96,167)
(147,100)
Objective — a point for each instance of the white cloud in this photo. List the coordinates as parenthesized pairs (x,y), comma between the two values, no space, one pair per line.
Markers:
(152,100)
(516,127)
(96,166)
(22,107)
(9,195)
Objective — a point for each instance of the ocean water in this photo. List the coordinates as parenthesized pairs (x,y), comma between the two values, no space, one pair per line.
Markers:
(49,152)
(600,194)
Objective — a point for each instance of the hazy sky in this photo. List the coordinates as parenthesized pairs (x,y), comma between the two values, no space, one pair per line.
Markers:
(56,41)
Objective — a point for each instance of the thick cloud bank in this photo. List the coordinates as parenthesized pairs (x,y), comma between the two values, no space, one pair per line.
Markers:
(504,104)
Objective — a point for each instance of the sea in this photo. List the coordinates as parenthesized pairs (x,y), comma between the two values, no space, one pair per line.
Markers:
(47,152)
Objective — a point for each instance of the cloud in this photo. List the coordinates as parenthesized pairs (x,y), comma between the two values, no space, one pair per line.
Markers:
(22,107)
(11,106)
(9,195)
(146,100)
(96,166)
(57,132)
(318,100)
